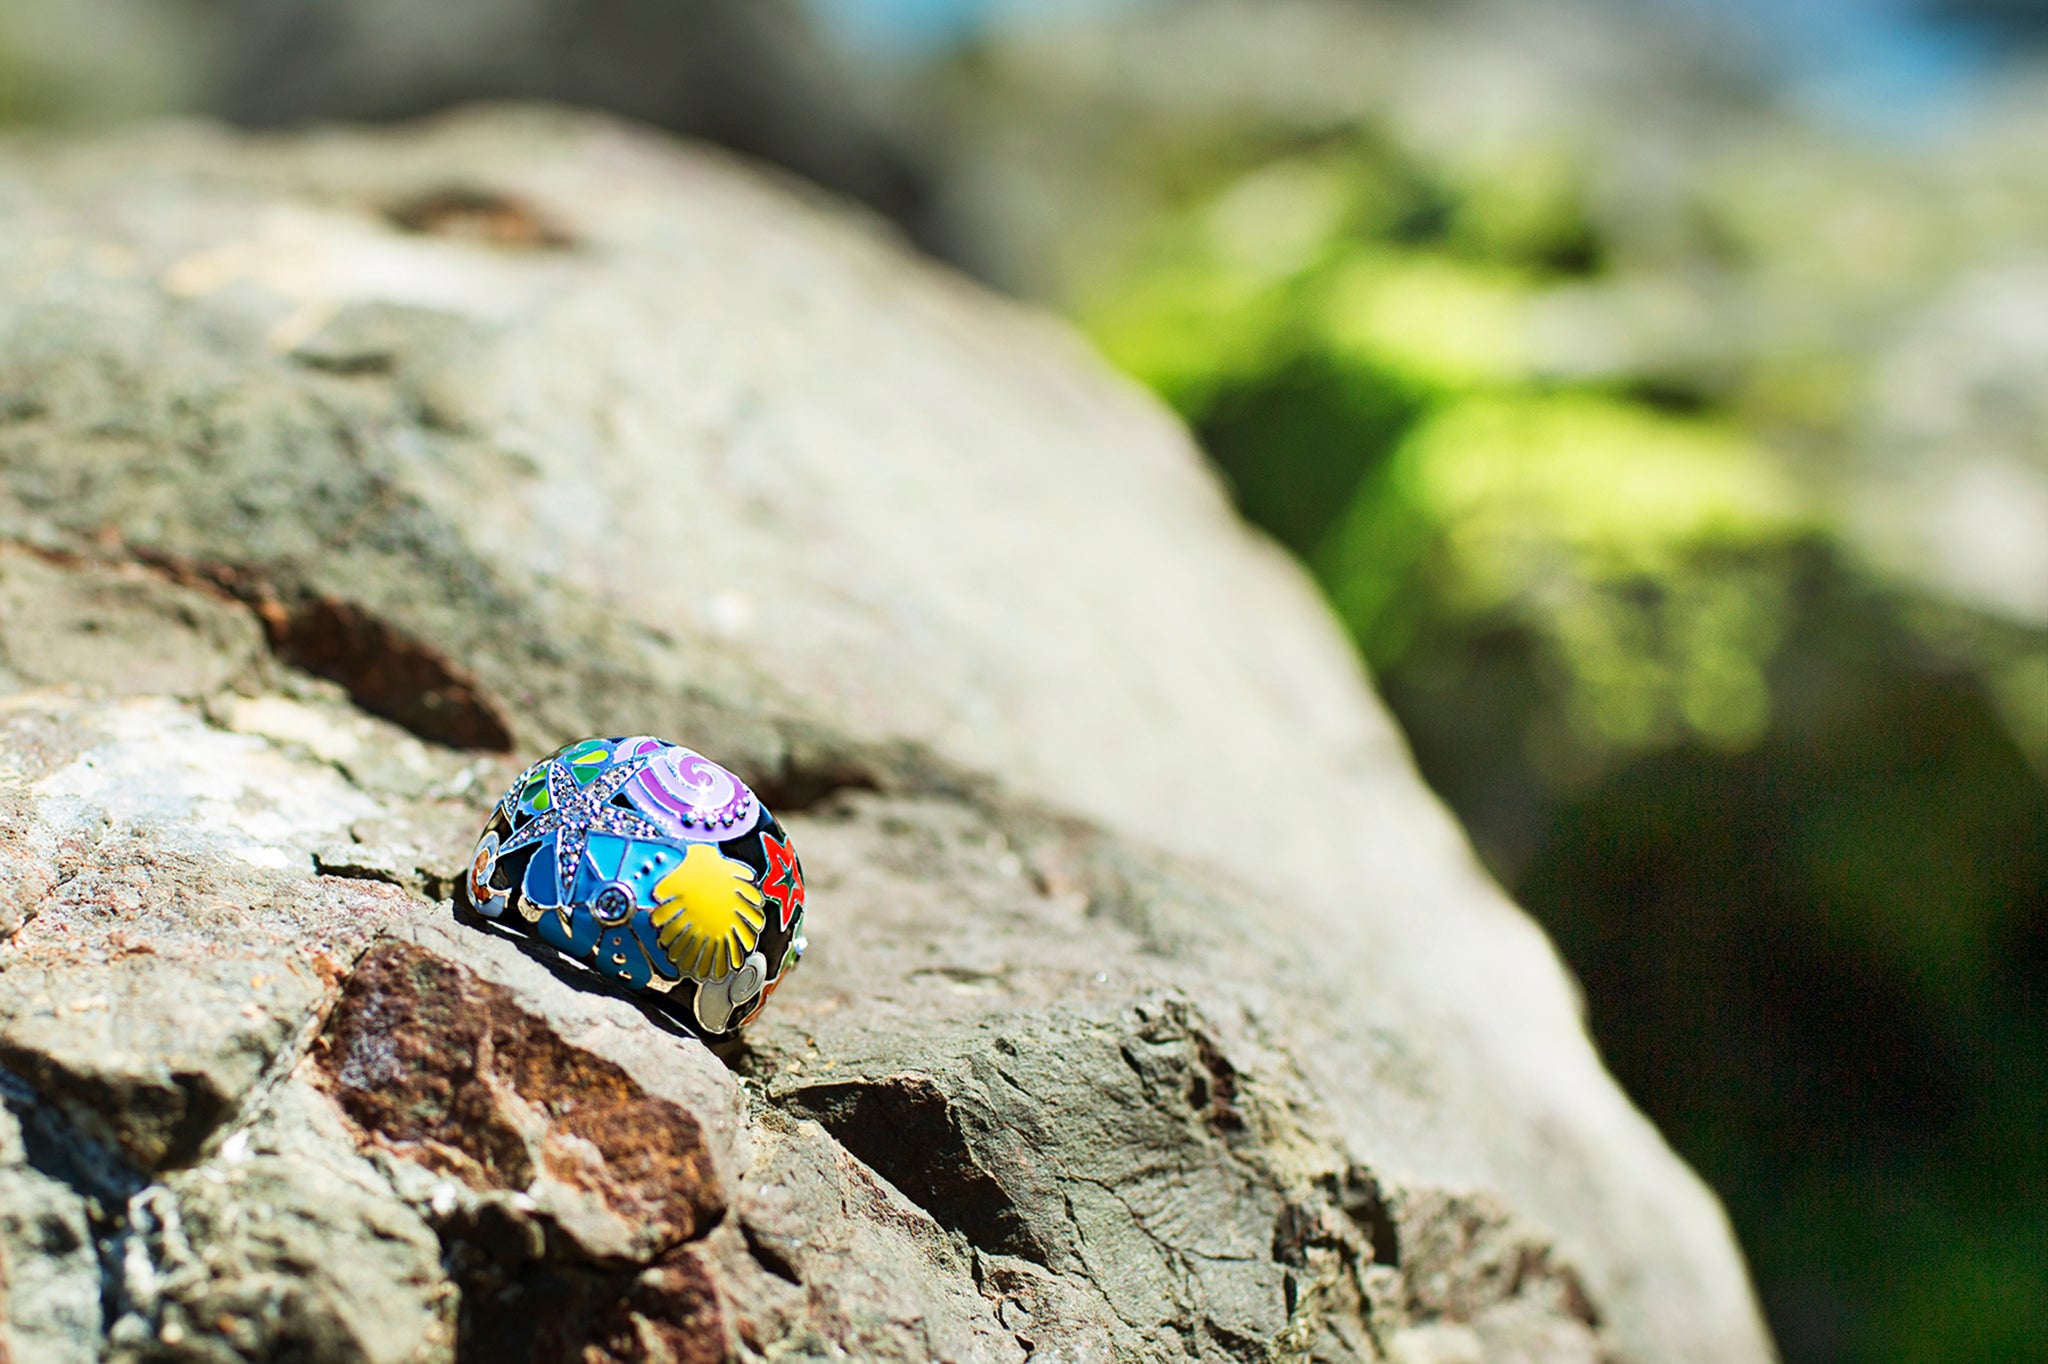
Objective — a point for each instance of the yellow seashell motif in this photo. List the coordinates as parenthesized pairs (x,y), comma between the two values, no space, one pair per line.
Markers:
(708,913)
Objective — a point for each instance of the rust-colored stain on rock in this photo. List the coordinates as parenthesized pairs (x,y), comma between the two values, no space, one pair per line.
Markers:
(430,1059)
(485,216)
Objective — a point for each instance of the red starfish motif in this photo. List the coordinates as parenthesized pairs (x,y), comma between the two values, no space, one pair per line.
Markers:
(784,882)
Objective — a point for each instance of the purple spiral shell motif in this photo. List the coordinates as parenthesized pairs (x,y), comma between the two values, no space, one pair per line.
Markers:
(692,797)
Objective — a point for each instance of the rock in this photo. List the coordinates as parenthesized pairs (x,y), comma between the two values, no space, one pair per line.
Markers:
(431,1061)
(189,946)
(120,630)
(49,1274)
(1155,1010)
(285,1245)
(866,1282)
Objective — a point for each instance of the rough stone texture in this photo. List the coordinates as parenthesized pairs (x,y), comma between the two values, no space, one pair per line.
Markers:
(442,1067)
(49,1278)
(286,1245)
(1155,1010)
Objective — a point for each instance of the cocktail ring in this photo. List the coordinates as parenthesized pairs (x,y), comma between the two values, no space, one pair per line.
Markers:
(653,866)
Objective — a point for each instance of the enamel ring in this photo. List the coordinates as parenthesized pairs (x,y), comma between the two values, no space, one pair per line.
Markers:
(653,866)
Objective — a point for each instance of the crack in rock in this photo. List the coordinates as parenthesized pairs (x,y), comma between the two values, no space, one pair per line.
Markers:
(909,1131)
(384,668)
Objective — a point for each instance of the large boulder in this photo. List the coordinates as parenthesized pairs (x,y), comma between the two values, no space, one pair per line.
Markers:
(1155,1009)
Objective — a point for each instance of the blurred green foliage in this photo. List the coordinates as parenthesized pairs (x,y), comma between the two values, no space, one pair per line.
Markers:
(1771,802)
(1351,339)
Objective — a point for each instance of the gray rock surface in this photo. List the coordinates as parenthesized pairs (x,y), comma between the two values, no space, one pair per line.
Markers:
(1155,1009)
(52,1277)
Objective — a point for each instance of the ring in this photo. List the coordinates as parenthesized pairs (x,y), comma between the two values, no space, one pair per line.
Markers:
(653,866)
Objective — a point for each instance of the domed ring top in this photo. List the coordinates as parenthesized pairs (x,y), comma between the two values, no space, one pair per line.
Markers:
(652,865)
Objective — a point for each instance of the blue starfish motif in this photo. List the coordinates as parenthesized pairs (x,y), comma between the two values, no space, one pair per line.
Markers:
(575,812)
